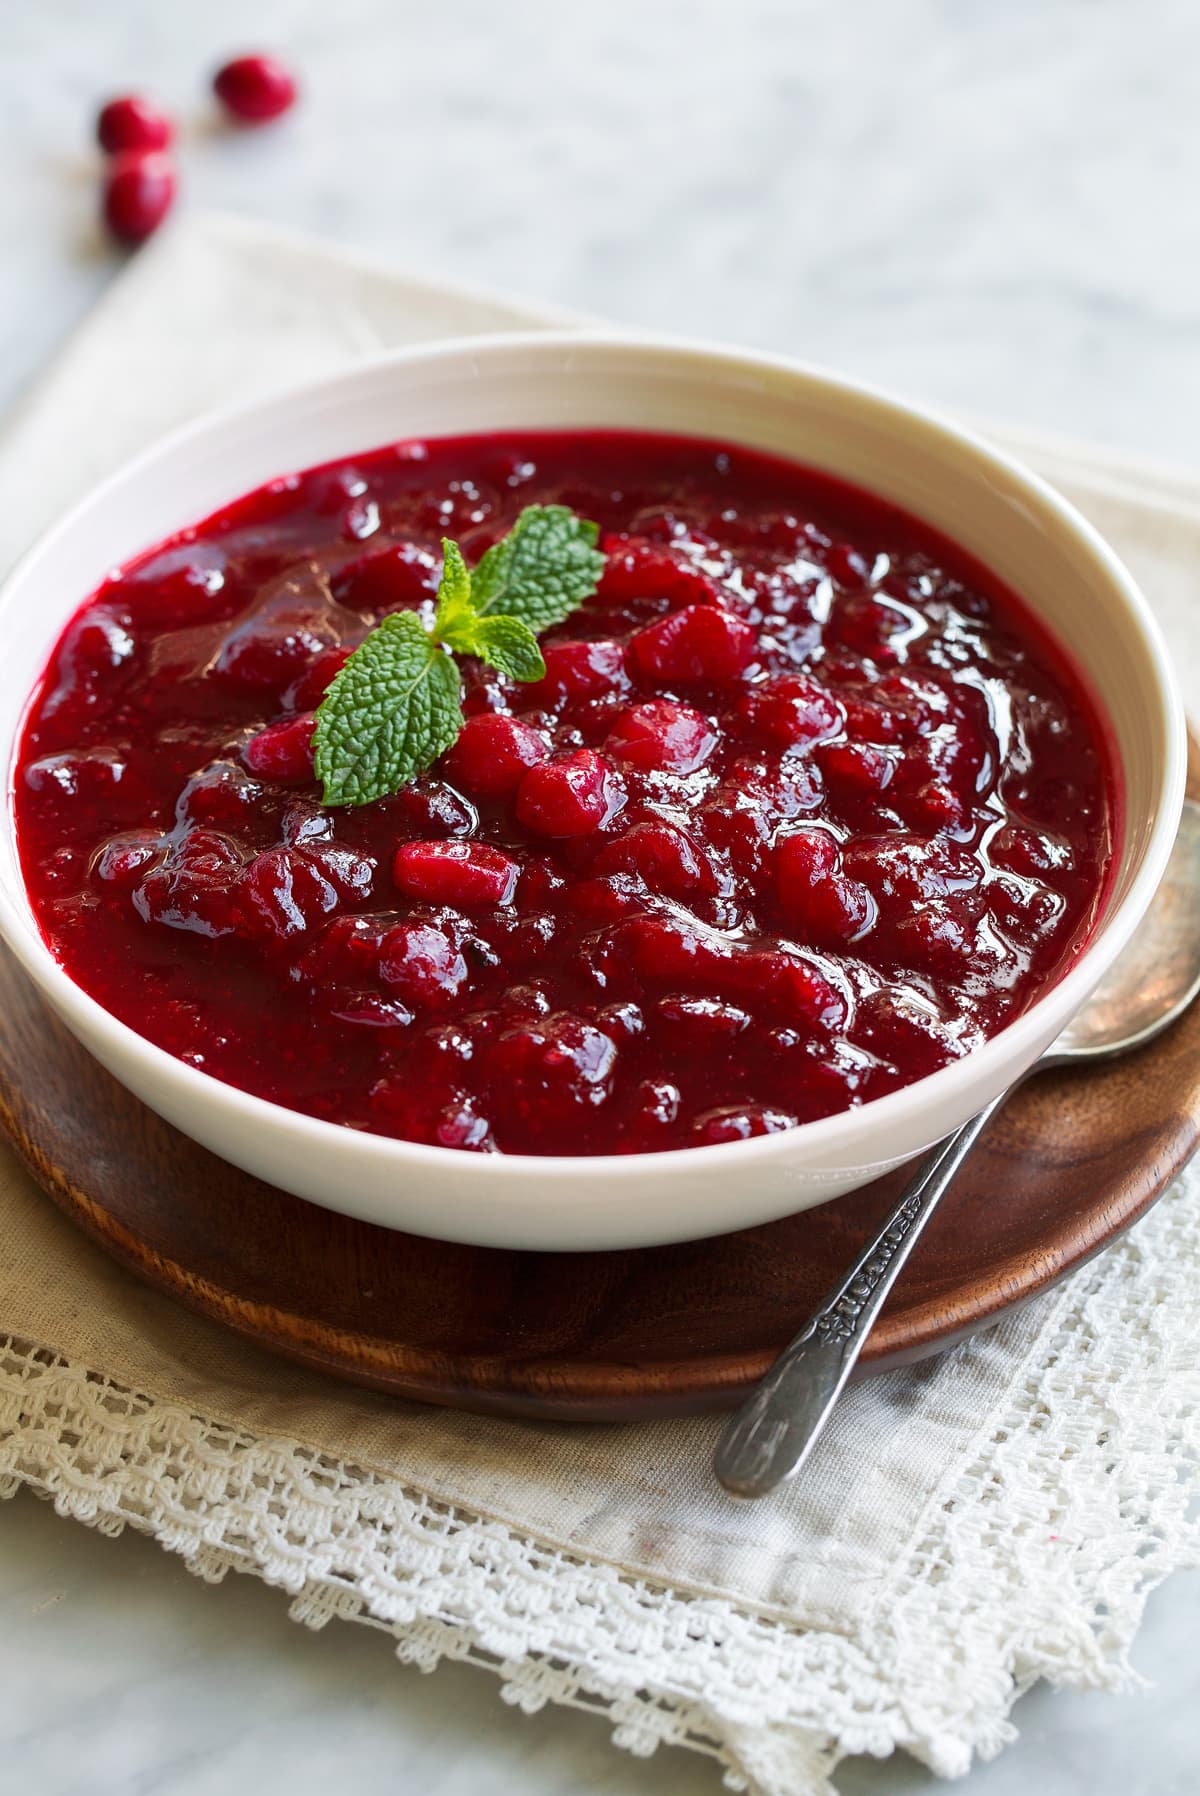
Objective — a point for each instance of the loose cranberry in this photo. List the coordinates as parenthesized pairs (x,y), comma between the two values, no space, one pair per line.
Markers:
(284,894)
(664,857)
(571,797)
(283,752)
(421,962)
(577,670)
(661,737)
(701,645)
(255,88)
(790,710)
(139,191)
(468,875)
(133,123)
(492,755)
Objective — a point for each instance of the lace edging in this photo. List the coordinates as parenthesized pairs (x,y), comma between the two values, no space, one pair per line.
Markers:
(1035,1563)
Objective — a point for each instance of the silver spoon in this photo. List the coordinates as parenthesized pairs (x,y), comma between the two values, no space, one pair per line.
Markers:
(769,1438)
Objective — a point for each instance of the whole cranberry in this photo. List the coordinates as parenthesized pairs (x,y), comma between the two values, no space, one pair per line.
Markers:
(569,797)
(283,751)
(255,88)
(701,645)
(132,123)
(493,753)
(468,875)
(139,191)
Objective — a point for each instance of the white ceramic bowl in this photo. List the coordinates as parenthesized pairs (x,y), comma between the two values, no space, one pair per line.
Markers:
(993,507)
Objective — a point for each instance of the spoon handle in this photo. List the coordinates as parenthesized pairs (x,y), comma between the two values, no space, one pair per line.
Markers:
(769,1438)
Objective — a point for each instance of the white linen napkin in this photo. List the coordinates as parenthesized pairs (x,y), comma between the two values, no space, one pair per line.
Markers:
(967,1527)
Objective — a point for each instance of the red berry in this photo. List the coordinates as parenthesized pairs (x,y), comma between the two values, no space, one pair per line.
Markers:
(309,688)
(84,775)
(468,875)
(739,1122)
(704,1025)
(855,767)
(284,894)
(255,88)
(661,737)
(429,807)
(702,645)
(132,123)
(635,571)
(196,889)
(283,751)
(397,577)
(350,873)
(668,951)
(551,1068)
(421,962)
(138,193)
(790,710)
(579,670)
(665,859)
(818,902)
(275,644)
(571,797)
(493,754)
(125,859)
(220,795)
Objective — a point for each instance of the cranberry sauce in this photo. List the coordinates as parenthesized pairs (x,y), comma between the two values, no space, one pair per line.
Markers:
(805,807)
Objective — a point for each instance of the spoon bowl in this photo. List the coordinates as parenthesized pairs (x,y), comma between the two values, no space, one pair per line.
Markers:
(1156,977)
(1148,988)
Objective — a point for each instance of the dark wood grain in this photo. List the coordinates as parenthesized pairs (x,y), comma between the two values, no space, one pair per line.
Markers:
(1072,1161)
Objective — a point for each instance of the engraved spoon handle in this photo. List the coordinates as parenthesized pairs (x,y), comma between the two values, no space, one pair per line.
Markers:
(773,1433)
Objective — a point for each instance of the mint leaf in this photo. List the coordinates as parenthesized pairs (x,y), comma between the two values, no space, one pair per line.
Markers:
(505,643)
(393,708)
(539,573)
(454,603)
(397,703)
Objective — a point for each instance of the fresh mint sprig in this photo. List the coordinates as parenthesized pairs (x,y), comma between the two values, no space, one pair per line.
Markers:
(397,703)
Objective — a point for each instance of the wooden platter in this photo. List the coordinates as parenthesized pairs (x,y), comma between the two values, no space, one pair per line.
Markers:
(1072,1161)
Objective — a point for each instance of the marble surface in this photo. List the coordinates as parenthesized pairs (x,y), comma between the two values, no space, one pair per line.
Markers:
(990,206)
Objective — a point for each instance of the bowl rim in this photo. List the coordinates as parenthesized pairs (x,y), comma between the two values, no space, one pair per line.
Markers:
(825,1137)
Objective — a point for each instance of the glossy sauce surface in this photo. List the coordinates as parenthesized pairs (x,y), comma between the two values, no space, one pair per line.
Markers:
(806,807)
